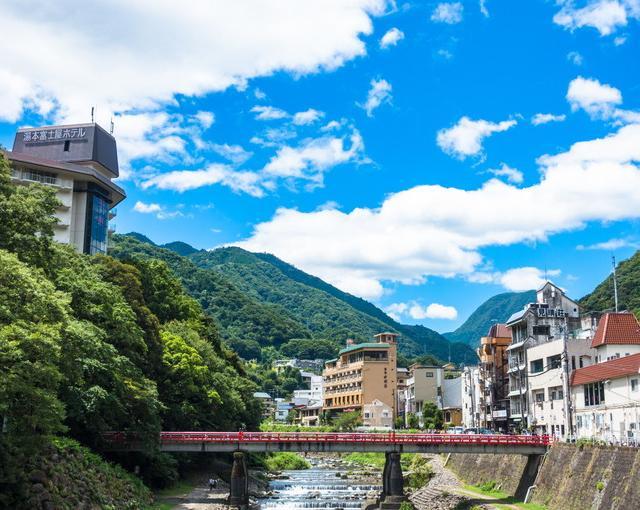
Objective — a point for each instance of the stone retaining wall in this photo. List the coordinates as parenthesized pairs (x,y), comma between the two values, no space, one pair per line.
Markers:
(571,477)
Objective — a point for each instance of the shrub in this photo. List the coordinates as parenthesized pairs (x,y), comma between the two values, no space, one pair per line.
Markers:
(286,461)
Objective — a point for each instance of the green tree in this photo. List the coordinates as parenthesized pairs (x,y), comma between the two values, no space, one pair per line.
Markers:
(306,348)
(348,421)
(432,417)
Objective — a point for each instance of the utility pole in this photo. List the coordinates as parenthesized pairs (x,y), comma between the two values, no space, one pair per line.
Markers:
(615,282)
(566,400)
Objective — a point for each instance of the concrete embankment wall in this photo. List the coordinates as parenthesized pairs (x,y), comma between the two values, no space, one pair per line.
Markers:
(571,478)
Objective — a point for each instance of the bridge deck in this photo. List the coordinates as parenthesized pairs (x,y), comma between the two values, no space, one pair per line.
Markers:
(341,442)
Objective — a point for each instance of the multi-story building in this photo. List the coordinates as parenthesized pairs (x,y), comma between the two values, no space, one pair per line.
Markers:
(311,365)
(617,336)
(309,415)
(361,374)
(377,415)
(494,379)
(311,396)
(472,400)
(80,162)
(402,376)
(424,385)
(545,335)
(267,403)
(606,399)
(452,400)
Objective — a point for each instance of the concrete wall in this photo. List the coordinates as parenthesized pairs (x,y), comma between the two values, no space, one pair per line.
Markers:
(568,479)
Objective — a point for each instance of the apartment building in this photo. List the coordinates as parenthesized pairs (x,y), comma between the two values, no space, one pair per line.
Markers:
(402,376)
(472,400)
(361,374)
(494,377)
(424,385)
(80,162)
(312,395)
(606,399)
(617,336)
(541,334)
(267,403)
(452,400)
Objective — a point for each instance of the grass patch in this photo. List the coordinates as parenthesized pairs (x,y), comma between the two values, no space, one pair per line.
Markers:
(503,500)
(375,460)
(179,488)
(286,461)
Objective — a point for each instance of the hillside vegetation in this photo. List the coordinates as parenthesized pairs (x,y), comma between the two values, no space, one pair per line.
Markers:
(628,279)
(90,344)
(261,301)
(495,309)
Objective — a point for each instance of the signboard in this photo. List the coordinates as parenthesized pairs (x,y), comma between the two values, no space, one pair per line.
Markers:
(53,135)
(551,312)
(500,413)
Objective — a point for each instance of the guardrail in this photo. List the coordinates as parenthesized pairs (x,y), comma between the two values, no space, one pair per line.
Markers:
(390,438)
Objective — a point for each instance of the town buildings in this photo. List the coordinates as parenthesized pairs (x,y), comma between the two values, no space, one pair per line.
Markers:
(494,377)
(361,374)
(606,395)
(424,385)
(80,162)
(267,403)
(544,335)
(471,397)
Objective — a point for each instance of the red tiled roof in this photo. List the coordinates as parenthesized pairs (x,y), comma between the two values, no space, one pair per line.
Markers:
(621,367)
(499,331)
(617,328)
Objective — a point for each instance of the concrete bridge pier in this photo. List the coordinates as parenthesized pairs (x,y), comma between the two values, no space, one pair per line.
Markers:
(529,475)
(239,481)
(392,483)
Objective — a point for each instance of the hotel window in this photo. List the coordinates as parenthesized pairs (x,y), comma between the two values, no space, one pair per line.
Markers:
(634,384)
(42,177)
(593,394)
(537,366)
(97,224)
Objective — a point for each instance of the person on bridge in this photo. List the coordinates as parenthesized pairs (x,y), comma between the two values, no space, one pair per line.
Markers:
(212,484)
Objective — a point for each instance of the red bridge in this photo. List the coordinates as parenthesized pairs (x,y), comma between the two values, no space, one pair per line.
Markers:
(340,442)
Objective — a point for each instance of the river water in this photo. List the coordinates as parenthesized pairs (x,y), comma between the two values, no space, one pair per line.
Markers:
(329,484)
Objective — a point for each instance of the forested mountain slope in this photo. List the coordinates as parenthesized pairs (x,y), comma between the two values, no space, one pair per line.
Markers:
(495,309)
(628,278)
(320,310)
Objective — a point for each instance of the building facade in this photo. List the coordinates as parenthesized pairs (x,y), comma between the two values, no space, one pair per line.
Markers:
(80,162)
(536,370)
(494,377)
(361,374)
(377,415)
(424,385)
(471,397)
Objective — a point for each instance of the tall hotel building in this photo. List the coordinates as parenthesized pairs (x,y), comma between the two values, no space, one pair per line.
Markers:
(80,162)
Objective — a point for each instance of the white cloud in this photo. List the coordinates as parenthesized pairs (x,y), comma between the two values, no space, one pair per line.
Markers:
(619,41)
(432,230)
(526,278)
(206,119)
(143,208)
(307,117)
(392,37)
(575,58)
(269,113)
(610,245)
(512,174)
(379,93)
(259,94)
(234,153)
(450,13)
(433,311)
(214,45)
(545,118)
(606,16)
(483,8)
(160,212)
(418,312)
(184,180)
(466,136)
(597,99)
(312,158)
(445,54)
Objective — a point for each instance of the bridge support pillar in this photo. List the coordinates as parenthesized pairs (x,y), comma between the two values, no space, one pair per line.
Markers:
(239,481)
(529,475)
(392,482)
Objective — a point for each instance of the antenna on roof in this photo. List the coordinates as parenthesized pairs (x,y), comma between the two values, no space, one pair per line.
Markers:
(615,282)
(92,108)
(112,126)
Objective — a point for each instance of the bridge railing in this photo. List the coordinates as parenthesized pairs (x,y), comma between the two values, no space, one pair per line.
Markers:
(339,437)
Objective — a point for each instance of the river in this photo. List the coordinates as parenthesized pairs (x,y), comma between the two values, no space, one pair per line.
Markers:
(329,484)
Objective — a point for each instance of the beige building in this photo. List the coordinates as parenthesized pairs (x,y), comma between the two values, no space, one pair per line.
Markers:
(377,415)
(423,385)
(361,374)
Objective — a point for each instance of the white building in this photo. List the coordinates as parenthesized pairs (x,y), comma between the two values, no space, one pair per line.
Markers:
(311,396)
(377,415)
(471,397)
(606,399)
(80,162)
(618,335)
(541,333)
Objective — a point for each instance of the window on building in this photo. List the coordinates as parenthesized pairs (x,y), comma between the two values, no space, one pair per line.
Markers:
(634,384)
(539,396)
(554,361)
(541,330)
(593,394)
(556,393)
(43,177)
(67,143)
(537,366)
(573,362)
(97,223)
(428,374)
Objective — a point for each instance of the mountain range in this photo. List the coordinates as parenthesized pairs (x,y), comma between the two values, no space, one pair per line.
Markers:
(260,298)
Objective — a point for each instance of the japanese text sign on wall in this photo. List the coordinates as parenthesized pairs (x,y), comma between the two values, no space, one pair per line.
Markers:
(56,134)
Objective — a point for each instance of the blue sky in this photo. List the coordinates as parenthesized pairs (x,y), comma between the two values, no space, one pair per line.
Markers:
(424,155)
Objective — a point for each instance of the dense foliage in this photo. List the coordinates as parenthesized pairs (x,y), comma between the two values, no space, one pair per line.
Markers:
(628,280)
(495,309)
(92,344)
